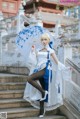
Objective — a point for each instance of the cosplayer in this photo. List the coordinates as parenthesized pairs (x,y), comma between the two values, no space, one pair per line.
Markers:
(44,83)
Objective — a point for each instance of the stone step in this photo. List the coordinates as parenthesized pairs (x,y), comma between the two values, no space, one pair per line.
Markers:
(12,86)
(46,117)
(13,113)
(24,113)
(14,69)
(12,78)
(11,94)
(13,103)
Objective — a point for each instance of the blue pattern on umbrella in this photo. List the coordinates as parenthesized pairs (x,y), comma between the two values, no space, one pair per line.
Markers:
(30,36)
(29,33)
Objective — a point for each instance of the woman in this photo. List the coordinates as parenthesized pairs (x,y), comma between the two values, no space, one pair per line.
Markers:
(42,90)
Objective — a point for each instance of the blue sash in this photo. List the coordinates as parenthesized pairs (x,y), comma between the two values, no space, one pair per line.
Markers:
(48,74)
(48,70)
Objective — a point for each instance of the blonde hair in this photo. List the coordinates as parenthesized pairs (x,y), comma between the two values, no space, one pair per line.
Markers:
(45,36)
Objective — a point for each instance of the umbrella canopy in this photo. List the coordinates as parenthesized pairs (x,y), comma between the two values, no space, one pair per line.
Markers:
(30,36)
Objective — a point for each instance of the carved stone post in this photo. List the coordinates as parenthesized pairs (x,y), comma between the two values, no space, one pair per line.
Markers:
(1,17)
(57,29)
(67,52)
(64,52)
(0,49)
(39,20)
(20,12)
(36,20)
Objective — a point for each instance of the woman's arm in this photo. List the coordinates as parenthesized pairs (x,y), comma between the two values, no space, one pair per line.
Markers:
(54,58)
(33,50)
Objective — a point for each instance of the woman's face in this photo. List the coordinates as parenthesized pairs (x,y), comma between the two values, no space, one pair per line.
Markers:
(45,41)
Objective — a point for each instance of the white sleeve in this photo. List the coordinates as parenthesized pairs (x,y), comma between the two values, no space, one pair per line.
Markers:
(32,60)
(52,51)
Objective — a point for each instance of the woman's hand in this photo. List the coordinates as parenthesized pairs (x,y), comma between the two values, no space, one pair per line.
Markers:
(33,48)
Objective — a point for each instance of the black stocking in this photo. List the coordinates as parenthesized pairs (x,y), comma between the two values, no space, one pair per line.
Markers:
(41,80)
(41,108)
(37,76)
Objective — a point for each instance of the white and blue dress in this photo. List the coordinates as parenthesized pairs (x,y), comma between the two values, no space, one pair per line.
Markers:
(53,83)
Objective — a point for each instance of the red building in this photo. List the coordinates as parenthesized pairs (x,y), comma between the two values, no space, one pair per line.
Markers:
(49,10)
(9,7)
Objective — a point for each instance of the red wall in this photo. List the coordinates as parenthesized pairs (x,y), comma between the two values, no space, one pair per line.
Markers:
(9,7)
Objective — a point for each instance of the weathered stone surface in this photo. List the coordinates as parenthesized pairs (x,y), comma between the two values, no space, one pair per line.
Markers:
(11,99)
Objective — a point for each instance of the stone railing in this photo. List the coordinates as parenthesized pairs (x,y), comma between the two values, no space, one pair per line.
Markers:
(9,25)
(71,93)
(9,28)
(10,54)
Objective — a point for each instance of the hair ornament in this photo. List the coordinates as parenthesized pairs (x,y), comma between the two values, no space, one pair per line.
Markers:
(50,44)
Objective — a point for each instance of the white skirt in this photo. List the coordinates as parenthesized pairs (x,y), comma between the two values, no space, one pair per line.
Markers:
(55,89)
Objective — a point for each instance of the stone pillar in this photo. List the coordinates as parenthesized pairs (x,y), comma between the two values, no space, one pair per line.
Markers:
(64,52)
(36,20)
(1,17)
(67,52)
(0,49)
(61,54)
(39,20)
(57,29)
(23,2)
(79,12)
(68,12)
(79,29)
(40,23)
(33,20)
(21,12)
(79,21)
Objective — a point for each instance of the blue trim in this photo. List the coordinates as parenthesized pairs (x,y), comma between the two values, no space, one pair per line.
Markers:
(46,75)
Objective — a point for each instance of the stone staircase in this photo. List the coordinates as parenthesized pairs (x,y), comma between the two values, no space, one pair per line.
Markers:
(12,102)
